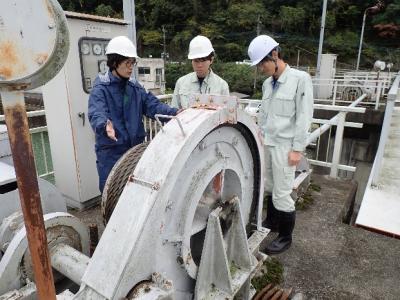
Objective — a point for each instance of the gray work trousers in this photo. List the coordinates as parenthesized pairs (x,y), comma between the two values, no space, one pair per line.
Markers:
(279,176)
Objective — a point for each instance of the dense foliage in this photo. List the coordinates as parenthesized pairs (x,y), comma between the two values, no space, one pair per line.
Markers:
(232,24)
(240,77)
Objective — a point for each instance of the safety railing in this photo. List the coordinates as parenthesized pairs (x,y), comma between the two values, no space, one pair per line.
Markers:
(322,126)
(45,168)
(364,75)
(344,91)
(393,96)
(152,127)
(339,121)
(41,147)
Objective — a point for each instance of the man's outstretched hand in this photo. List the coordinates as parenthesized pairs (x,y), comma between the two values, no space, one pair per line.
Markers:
(110,131)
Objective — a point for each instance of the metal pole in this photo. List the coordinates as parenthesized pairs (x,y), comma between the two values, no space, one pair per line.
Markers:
(129,17)
(335,92)
(24,164)
(378,94)
(256,69)
(164,44)
(337,150)
(298,58)
(361,40)
(321,37)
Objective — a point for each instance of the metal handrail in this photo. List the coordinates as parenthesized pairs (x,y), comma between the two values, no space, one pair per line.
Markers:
(352,107)
(391,98)
(35,113)
(38,130)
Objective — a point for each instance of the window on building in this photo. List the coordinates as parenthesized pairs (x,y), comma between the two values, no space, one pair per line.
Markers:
(144,71)
(159,75)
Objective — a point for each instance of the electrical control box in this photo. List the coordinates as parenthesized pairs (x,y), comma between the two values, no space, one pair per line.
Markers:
(326,76)
(66,104)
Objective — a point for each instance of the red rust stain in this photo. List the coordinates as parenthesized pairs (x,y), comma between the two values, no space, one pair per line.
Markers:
(7,52)
(5,72)
(7,59)
(10,64)
(24,164)
(217,183)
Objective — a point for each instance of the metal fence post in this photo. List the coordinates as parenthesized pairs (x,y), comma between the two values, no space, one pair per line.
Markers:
(378,94)
(338,144)
(334,92)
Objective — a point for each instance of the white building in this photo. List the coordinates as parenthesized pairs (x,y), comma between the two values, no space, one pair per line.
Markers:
(151,74)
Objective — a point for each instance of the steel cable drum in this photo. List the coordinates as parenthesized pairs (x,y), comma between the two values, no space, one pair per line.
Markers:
(34,42)
(197,162)
(118,178)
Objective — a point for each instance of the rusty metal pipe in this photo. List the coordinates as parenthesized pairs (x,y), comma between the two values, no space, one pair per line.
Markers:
(24,164)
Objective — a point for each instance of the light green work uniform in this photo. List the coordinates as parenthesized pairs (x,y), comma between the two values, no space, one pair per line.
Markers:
(190,84)
(285,118)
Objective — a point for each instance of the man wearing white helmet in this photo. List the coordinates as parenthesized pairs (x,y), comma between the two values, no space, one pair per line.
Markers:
(203,80)
(285,118)
(117,104)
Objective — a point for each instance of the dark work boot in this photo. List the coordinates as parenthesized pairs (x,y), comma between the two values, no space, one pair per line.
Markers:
(284,239)
(272,220)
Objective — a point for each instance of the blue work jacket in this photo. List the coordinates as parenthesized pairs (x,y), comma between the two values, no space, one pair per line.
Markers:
(123,103)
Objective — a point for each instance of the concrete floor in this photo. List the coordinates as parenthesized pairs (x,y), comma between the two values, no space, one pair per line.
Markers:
(332,260)
(329,259)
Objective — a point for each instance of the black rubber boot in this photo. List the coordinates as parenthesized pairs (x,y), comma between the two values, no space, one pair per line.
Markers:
(272,220)
(284,239)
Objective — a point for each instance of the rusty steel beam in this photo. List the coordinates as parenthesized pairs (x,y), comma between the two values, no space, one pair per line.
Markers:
(24,164)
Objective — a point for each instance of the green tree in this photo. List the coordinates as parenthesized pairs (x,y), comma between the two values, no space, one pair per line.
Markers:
(151,37)
(232,52)
(105,10)
(243,16)
(292,18)
(175,70)
(345,44)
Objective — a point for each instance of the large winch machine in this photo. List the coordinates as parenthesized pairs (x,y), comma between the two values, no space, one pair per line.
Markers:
(183,212)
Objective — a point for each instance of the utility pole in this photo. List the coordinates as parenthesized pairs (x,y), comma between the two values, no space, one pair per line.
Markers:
(321,37)
(164,54)
(298,58)
(255,71)
(370,10)
(129,17)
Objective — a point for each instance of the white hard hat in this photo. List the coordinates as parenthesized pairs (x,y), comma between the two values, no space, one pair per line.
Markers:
(123,46)
(200,46)
(260,47)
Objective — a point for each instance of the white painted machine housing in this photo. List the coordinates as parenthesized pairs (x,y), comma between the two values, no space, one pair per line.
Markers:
(149,227)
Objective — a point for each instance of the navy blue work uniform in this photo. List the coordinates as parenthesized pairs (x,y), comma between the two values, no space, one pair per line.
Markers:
(123,102)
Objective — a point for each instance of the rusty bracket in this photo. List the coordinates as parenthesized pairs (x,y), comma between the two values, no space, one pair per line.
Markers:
(228,105)
(154,186)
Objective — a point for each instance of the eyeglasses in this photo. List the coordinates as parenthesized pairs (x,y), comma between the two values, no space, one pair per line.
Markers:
(201,59)
(129,63)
